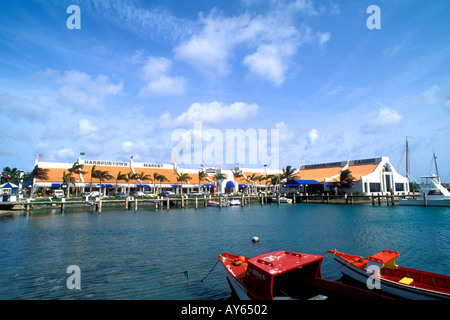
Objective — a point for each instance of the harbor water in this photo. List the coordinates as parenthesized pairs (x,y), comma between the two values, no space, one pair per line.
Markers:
(165,254)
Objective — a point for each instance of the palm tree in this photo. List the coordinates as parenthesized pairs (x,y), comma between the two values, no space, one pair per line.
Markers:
(183,177)
(102,175)
(346,177)
(67,180)
(252,179)
(11,175)
(92,175)
(289,173)
(38,173)
(155,178)
(121,176)
(220,177)
(260,179)
(237,173)
(161,178)
(201,176)
(274,179)
(76,167)
(130,176)
(142,177)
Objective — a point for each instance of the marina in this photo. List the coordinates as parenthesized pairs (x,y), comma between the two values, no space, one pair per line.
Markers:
(133,203)
(165,254)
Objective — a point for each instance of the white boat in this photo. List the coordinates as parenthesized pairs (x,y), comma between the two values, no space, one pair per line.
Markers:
(382,273)
(432,193)
(213,203)
(282,200)
(234,202)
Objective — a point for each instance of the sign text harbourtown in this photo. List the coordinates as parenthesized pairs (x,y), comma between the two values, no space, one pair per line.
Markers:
(119,163)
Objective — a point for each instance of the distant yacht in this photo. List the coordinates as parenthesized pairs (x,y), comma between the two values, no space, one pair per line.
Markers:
(432,192)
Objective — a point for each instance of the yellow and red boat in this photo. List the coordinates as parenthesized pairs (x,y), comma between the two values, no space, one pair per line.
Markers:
(286,275)
(380,271)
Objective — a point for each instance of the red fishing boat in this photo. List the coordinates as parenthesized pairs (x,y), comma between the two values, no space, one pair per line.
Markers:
(379,271)
(285,275)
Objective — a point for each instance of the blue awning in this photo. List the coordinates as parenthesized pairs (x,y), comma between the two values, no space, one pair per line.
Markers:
(207,186)
(143,185)
(297,183)
(56,185)
(230,184)
(9,185)
(242,186)
(106,185)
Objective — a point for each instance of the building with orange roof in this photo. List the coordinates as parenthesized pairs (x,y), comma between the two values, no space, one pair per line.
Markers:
(374,175)
(370,176)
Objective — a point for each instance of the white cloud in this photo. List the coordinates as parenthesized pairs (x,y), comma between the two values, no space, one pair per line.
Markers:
(213,113)
(285,133)
(213,45)
(268,41)
(155,72)
(432,97)
(21,107)
(85,127)
(80,90)
(386,119)
(268,62)
(312,137)
(324,37)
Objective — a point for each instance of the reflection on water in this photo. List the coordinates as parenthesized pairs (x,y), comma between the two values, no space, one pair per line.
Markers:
(164,254)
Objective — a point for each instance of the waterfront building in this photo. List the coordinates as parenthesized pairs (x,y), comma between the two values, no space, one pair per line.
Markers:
(371,176)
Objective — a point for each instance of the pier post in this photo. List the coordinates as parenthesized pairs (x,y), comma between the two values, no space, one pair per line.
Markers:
(322,197)
(156,202)
(220,202)
(63,201)
(182,201)
(262,200)
(278,198)
(28,205)
(373,200)
(379,200)
(196,203)
(387,200)
(168,205)
(294,198)
(126,203)
(242,199)
(351,198)
(99,206)
(392,200)
(135,204)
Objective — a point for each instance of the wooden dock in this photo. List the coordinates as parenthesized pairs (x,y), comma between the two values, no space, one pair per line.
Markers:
(166,203)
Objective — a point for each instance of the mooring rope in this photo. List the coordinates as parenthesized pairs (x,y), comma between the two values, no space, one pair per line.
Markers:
(186,272)
(210,270)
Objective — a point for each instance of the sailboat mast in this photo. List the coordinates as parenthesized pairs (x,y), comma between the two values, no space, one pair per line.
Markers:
(435,164)
(407,160)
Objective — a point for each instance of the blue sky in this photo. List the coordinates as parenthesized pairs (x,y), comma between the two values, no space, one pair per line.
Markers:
(138,70)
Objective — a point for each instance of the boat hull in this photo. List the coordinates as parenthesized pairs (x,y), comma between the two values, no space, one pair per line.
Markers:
(237,288)
(388,286)
(429,203)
